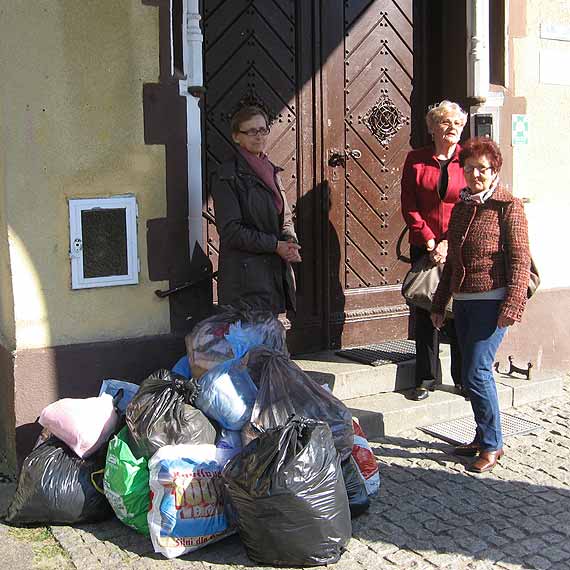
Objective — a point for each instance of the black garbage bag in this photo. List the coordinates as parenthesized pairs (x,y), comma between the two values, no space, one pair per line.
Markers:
(56,486)
(257,359)
(286,390)
(287,494)
(161,414)
(358,500)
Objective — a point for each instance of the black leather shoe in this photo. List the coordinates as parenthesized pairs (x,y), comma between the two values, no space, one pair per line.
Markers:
(462,391)
(468,450)
(419,394)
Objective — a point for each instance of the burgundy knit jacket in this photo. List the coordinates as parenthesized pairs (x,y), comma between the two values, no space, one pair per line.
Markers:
(480,258)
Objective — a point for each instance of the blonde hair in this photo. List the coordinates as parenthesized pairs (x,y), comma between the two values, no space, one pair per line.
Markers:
(441,111)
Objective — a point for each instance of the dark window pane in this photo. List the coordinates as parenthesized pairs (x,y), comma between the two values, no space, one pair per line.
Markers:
(104,235)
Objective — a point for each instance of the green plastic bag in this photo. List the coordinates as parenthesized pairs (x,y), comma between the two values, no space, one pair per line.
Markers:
(126,483)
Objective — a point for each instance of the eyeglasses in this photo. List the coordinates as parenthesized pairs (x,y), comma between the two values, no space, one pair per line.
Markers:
(448,123)
(263,131)
(484,170)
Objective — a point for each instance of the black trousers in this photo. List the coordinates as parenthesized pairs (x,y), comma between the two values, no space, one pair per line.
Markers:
(428,338)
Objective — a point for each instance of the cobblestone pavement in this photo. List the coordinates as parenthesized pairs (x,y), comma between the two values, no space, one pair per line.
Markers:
(430,513)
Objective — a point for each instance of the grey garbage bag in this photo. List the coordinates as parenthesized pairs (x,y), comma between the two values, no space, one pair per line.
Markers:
(286,390)
(161,414)
(56,486)
(288,496)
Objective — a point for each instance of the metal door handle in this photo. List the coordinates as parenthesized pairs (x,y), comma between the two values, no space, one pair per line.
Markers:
(339,157)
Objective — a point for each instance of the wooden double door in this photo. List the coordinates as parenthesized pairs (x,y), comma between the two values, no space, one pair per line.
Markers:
(336,75)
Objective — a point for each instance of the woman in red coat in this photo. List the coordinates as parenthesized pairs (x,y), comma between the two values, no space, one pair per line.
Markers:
(431,182)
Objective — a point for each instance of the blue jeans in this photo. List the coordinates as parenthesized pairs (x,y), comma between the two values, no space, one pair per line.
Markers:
(479,339)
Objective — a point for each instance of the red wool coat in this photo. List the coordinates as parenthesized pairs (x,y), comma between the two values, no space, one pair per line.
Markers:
(425,213)
(480,259)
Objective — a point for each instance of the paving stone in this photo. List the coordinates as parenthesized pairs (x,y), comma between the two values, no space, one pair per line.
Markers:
(553,537)
(538,563)
(555,554)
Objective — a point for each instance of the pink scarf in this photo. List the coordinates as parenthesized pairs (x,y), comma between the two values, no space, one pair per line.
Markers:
(265,171)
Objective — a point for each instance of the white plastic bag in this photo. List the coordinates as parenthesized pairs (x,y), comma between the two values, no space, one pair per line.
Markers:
(227,394)
(228,445)
(85,424)
(188,508)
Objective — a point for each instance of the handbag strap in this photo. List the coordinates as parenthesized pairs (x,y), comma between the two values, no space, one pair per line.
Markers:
(399,253)
(503,238)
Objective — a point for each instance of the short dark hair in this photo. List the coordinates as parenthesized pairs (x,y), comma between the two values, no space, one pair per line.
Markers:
(244,114)
(482,146)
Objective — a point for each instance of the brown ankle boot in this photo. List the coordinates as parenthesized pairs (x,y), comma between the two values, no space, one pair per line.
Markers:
(486,461)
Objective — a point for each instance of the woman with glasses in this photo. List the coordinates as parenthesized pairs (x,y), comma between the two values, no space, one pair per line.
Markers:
(487,272)
(257,238)
(431,181)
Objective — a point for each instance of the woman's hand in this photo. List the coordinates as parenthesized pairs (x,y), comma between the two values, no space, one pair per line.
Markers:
(503,321)
(289,251)
(430,244)
(437,320)
(439,253)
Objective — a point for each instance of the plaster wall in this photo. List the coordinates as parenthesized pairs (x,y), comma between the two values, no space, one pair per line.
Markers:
(540,169)
(72,127)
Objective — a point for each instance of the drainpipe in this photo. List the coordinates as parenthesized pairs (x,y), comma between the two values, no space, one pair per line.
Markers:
(191,87)
(484,111)
(478,50)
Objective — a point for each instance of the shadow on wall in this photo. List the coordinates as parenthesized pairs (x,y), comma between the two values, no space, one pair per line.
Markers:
(543,336)
(92,112)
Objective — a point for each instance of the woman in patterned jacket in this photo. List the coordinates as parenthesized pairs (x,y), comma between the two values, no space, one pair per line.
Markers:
(487,273)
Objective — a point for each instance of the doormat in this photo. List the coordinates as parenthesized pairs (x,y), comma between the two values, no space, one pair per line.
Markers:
(462,431)
(389,352)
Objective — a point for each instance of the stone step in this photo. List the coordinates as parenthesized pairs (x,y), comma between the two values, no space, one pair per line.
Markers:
(391,414)
(375,394)
(348,379)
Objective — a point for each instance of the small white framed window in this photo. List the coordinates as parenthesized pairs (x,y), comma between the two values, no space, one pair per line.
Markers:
(103,242)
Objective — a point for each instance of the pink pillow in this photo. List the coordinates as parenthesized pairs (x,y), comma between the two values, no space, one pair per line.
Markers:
(83,424)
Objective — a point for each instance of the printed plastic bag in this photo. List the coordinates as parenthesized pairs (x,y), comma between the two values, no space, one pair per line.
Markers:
(85,424)
(289,497)
(160,414)
(188,507)
(126,483)
(113,386)
(55,486)
(286,390)
(358,500)
(208,345)
(365,460)
(227,394)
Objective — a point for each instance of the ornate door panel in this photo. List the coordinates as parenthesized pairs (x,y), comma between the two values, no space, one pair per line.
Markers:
(367,107)
(262,51)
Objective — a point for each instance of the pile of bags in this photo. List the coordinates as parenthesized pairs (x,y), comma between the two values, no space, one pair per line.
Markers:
(237,438)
